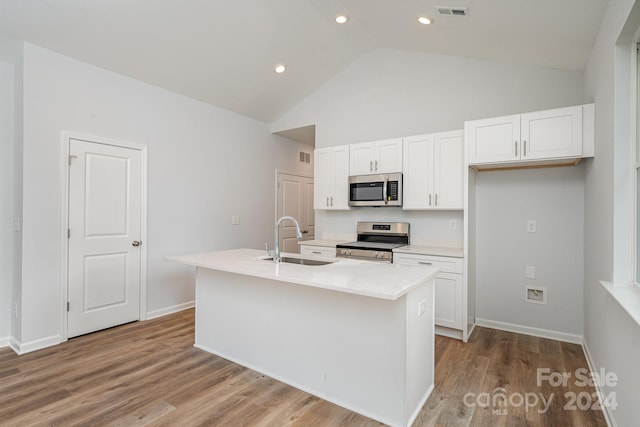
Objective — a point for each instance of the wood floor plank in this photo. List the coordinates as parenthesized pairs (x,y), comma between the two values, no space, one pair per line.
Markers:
(149,374)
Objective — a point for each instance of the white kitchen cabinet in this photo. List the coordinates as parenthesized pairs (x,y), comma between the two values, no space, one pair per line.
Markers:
(383,156)
(433,171)
(322,251)
(554,135)
(494,140)
(331,178)
(448,286)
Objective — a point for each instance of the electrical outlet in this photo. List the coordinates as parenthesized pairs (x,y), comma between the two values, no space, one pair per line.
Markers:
(422,307)
(452,224)
(531,226)
(530,272)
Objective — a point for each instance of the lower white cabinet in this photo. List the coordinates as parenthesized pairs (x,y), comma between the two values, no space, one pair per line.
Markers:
(323,251)
(448,289)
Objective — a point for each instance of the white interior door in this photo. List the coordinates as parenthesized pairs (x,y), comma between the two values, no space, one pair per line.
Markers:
(105,217)
(295,198)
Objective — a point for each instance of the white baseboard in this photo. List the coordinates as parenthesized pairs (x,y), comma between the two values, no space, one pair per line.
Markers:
(14,344)
(39,344)
(527,330)
(448,332)
(170,310)
(607,412)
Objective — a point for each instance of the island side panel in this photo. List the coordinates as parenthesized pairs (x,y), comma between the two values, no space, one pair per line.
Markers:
(420,347)
(344,348)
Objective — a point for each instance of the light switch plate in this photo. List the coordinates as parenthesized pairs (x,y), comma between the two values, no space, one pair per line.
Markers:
(235,220)
(530,272)
(531,226)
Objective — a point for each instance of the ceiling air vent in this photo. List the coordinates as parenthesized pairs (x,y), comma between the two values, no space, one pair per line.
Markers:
(452,11)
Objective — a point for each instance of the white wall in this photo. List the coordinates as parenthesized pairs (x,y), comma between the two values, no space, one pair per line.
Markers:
(6,197)
(611,335)
(390,93)
(505,201)
(10,183)
(18,148)
(205,165)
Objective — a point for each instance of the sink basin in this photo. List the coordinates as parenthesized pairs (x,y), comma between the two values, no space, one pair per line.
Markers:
(301,261)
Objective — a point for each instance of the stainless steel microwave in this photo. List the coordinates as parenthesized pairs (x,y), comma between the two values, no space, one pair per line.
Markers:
(375,190)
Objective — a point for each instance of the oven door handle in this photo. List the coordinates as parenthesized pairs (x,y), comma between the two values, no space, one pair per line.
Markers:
(384,190)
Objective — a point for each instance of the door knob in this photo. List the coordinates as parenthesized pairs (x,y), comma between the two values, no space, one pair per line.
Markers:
(136,243)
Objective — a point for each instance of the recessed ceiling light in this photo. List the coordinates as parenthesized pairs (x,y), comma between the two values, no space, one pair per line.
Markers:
(424,20)
(280,68)
(341,19)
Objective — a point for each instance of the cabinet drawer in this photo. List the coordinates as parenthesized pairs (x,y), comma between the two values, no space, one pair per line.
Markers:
(445,264)
(322,251)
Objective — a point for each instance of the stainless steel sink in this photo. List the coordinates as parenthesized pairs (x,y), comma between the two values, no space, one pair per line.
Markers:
(301,261)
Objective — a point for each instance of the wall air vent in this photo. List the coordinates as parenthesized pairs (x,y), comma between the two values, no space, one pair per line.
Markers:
(304,157)
(452,11)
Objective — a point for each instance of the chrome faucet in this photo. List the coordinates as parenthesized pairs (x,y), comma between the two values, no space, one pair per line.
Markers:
(276,250)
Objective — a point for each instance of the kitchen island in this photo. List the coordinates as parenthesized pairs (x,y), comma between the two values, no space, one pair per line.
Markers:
(356,333)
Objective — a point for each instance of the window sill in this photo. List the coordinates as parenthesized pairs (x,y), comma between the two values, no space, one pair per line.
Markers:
(628,296)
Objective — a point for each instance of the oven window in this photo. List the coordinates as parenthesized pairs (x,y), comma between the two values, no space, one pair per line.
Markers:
(366,192)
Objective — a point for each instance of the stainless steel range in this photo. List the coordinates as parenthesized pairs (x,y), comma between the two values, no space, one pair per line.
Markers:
(376,241)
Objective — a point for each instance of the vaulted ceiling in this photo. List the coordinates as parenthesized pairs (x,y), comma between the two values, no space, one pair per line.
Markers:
(223,51)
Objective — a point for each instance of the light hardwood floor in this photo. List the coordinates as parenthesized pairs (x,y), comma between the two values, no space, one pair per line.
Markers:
(149,373)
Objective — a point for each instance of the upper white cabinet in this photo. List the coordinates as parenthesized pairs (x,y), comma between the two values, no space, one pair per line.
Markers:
(556,135)
(376,157)
(331,178)
(433,167)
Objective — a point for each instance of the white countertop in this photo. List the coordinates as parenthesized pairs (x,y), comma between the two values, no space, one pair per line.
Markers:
(430,250)
(322,242)
(367,278)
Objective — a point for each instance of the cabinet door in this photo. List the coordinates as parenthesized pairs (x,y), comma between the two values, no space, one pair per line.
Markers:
(388,158)
(448,300)
(552,133)
(494,140)
(323,178)
(449,170)
(361,159)
(417,179)
(448,286)
(339,198)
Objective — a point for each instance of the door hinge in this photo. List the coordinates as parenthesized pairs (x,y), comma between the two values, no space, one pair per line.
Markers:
(71,158)
(67,305)
(68,233)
